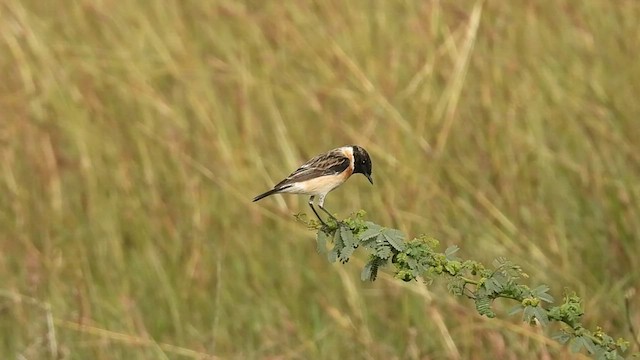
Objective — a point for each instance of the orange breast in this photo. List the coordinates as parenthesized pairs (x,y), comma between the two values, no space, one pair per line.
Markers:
(348,152)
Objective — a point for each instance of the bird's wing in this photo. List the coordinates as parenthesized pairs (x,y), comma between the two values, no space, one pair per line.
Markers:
(331,163)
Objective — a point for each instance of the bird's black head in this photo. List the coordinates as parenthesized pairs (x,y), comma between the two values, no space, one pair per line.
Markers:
(362,162)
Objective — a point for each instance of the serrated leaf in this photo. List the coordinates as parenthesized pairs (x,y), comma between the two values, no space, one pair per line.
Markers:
(541,315)
(540,289)
(483,306)
(455,287)
(368,234)
(452,267)
(528,313)
(394,239)
(366,272)
(347,237)
(321,242)
(372,226)
(601,354)
(332,256)
(373,264)
(588,344)
(450,251)
(369,243)
(493,285)
(337,239)
(395,233)
(541,293)
(346,253)
(561,337)
(546,298)
(383,251)
(413,264)
(501,263)
(575,345)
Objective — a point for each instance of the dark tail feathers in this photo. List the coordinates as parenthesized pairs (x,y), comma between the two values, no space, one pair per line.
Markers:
(264,195)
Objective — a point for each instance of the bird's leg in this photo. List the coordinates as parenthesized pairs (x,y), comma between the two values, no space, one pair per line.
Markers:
(314,210)
(328,213)
(321,206)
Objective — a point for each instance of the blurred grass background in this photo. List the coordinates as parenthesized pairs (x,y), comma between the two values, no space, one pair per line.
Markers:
(133,136)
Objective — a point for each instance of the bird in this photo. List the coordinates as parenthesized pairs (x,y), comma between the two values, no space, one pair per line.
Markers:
(322,174)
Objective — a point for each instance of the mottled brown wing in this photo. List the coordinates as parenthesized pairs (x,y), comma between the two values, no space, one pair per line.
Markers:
(331,163)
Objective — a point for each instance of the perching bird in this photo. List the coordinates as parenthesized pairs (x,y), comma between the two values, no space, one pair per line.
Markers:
(323,173)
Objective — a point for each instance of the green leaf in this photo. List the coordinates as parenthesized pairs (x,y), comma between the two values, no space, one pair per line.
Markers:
(372,225)
(561,337)
(453,267)
(383,252)
(541,315)
(337,239)
(420,257)
(493,285)
(321,242)
(395,233)
(588,344)
(576,344)
(456,287)
(370,233)
(528,314)
(450,251)
(370,236)
(541,293)
(348,239)
(395,239)
(370,271)
(601,354)
(370,243)
(622,344)
(483,306)
(367,271)
(332,256)
(338,247)
(346,253)
(500,262)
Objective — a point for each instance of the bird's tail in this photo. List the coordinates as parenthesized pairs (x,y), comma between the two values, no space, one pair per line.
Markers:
(264,195)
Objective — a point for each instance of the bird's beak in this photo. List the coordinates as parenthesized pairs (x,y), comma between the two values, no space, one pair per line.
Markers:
(369,178)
